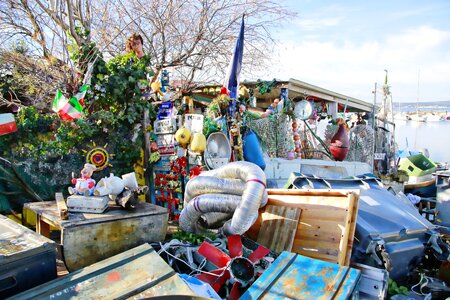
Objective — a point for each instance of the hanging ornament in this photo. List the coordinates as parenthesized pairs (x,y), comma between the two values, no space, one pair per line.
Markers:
(339,144)
(296,137)
(98,156)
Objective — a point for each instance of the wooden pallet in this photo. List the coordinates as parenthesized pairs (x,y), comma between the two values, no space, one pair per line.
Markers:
(326,226)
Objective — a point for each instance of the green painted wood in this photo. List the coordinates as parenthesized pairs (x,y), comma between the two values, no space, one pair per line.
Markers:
(137,273)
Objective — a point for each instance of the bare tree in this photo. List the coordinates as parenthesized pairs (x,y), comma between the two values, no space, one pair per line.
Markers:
(45,24)
(194,38)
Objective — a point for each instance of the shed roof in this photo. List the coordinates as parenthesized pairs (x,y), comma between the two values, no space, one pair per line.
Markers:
(296,88)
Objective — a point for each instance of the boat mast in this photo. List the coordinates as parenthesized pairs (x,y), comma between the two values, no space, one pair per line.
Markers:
(374,126)
(418,87)
(417,106)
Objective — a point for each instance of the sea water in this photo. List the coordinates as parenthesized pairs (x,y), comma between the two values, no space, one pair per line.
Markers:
(431,135)
(416,136)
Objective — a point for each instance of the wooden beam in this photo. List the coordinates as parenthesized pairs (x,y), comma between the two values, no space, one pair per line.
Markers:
(62,207)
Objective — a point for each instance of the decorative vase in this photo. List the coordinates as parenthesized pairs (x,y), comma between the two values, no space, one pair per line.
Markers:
(339,144)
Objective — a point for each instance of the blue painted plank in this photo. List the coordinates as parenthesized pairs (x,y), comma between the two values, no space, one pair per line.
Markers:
(298,277)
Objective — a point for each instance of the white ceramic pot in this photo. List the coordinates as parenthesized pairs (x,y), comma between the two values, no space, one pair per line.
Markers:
(111,185)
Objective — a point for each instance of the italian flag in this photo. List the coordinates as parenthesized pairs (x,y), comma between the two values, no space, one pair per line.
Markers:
(70,109)
(7,124)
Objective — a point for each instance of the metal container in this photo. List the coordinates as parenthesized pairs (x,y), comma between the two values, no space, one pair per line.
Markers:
(27,259)
(443,198)
(293,276)
(137,273)
(88,238)
(390,233)
(373,284)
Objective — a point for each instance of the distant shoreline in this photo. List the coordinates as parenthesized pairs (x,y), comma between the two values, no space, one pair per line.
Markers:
(440,113)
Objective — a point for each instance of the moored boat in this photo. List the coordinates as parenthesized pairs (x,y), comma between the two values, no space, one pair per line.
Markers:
(425,189)
(419,169)
(434,117)
(418,117)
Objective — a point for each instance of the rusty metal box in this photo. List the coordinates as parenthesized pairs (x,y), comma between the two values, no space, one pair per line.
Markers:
(137,274)
(27,259)
(293,276)
(89,238)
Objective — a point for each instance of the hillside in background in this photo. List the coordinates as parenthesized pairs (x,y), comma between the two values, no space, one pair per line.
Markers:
(424,106)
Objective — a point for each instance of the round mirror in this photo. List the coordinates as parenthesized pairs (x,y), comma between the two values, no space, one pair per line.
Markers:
(303,110)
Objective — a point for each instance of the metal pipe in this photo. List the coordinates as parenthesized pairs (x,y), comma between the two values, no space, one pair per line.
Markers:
(212,185)
(245,212)
(204,204)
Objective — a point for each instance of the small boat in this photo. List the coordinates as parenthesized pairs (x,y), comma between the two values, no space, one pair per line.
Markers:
(434,118)
(419,169)
(418,117)
(425,189)
(401,117)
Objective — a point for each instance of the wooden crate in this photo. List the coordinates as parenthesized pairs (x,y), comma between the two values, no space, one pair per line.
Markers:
(326,226)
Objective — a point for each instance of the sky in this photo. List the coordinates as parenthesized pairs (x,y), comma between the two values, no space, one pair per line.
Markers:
(345,46)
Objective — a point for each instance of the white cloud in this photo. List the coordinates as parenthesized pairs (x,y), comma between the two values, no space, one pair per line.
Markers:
(352,67)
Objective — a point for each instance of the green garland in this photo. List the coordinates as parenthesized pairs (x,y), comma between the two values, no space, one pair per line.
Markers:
(46,150)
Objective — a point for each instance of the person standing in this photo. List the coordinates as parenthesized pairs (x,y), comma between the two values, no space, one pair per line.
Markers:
(135,43)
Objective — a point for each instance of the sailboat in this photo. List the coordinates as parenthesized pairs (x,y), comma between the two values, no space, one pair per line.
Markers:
(417,116)
(401,116)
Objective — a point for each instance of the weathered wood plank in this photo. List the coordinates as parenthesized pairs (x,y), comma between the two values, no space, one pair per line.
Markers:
(279,227)
(62,206)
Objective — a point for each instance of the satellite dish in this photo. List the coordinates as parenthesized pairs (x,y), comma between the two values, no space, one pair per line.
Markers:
(303,110)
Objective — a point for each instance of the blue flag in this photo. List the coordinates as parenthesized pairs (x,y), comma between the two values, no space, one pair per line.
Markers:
(231,82)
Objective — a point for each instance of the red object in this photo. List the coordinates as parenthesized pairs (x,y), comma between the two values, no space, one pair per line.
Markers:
(340,143)
(195,171)
(224,91)
(235,245)
(153,146)
(182,161)
(226,263)
(7,124)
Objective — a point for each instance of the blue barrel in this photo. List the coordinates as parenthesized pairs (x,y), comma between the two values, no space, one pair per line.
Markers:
(252,150)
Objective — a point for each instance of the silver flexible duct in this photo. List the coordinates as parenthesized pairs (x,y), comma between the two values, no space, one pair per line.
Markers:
(214,220)
(212,185)
(204,204)
(245,213)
